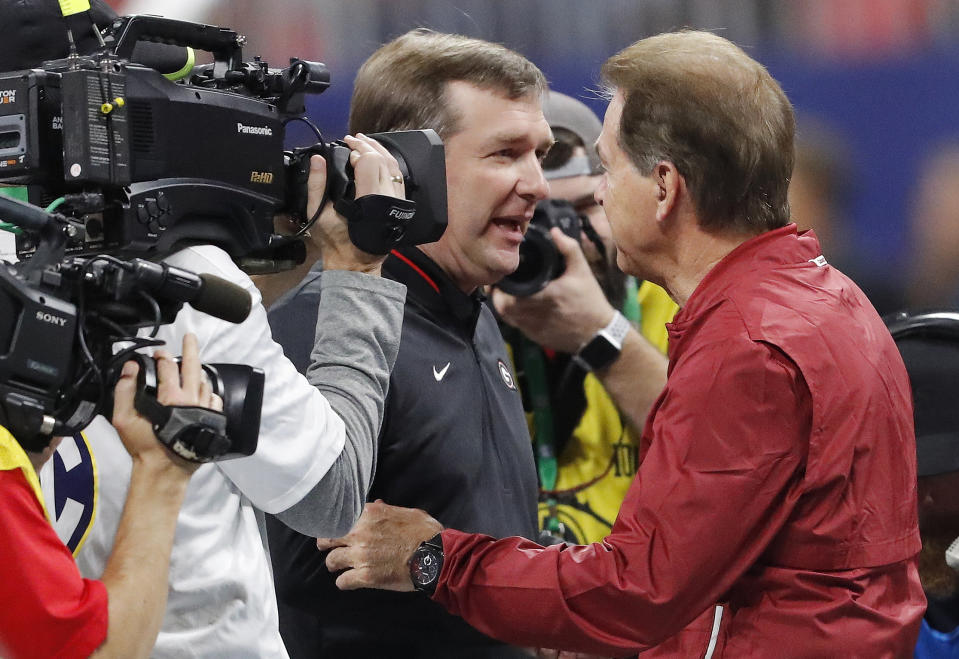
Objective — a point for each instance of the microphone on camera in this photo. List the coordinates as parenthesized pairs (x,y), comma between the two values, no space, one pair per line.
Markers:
(207,293)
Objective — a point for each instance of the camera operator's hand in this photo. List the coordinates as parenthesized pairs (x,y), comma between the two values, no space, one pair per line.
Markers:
(568,312)
(375,172)
(39,459)
(136,573)
(183,385)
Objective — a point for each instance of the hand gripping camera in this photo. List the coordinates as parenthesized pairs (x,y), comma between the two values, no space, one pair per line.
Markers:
(141,165)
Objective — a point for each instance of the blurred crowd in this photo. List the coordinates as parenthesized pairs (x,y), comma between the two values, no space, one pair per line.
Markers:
(876,180)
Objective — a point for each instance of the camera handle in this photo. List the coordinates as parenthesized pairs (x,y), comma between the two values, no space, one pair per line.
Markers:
(224,44)
(376,223)
(196,434)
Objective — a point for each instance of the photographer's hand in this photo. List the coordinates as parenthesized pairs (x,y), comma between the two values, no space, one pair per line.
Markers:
(137,571)
(183,385)
(568,312)
(375,172)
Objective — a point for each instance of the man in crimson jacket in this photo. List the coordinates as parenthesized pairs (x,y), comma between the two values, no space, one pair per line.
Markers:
(774,511)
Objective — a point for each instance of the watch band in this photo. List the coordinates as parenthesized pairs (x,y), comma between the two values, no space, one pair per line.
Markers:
(604,348)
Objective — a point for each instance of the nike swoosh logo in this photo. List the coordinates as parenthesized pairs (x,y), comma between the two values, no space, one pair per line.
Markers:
(440,374)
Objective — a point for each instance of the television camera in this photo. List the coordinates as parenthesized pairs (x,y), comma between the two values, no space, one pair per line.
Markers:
(141,165)
(60,319)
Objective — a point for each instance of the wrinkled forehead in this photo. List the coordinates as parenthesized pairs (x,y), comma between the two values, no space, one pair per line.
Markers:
(461,98)
(491,118)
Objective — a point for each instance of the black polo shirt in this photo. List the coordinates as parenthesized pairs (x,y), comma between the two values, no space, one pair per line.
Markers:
(454,442)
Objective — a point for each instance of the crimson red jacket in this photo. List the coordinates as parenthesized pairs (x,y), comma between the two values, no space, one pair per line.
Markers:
(47,609)
(774,512)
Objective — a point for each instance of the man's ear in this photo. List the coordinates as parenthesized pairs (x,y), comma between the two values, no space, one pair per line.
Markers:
(669,188)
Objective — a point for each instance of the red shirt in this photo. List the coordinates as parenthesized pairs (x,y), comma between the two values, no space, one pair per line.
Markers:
(778,482)
(46,608)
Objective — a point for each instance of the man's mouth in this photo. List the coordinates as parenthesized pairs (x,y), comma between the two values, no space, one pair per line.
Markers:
(513,226)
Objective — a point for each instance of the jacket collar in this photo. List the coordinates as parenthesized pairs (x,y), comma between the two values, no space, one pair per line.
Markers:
(429,287)
(769,250)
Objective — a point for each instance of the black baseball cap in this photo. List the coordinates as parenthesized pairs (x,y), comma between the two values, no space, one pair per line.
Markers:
(35,31)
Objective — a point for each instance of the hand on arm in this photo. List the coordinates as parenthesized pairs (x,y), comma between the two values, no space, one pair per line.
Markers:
(569,312)
(377,551)
(741,458)
(137,570)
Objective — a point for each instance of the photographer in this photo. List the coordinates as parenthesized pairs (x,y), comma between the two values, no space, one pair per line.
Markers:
(314,460)
(317,434)
(594,410)
(46,608)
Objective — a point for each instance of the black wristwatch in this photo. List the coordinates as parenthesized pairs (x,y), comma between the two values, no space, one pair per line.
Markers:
(426,564)
(604,348)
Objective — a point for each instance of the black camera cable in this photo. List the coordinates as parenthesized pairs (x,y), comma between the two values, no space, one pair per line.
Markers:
(92,369)
(304,227)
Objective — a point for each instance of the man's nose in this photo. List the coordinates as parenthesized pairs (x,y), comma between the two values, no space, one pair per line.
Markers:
(532,184)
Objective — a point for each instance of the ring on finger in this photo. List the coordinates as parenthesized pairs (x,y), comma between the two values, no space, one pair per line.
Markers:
(396,178)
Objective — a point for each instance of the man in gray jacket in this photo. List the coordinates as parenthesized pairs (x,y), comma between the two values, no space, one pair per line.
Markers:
(316,442)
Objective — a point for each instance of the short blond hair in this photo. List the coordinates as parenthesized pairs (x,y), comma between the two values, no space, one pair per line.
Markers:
(402,86)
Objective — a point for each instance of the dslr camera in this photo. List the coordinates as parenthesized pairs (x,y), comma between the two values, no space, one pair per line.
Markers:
(539,260)
(140,165)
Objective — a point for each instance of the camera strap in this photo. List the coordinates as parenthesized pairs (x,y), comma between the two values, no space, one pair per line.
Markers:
(377,223)
(194,433)
(547,465)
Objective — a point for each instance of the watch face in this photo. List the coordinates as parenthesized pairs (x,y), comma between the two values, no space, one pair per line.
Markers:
(598,353)
(425,566)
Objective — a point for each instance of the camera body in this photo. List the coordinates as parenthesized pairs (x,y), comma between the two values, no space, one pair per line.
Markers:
(539,260)
(62,317)
(136,165)
(143,165)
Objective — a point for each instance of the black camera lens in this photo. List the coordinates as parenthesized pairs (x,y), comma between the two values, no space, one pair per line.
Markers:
(539,260)
(539,263)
